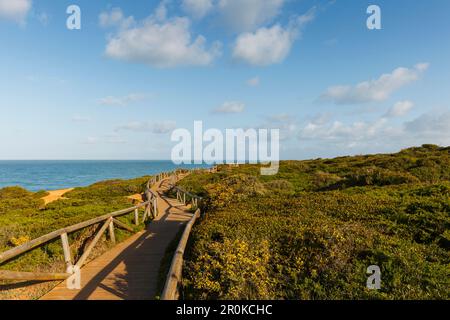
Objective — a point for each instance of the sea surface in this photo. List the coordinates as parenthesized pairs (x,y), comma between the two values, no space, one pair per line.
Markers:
(54,175)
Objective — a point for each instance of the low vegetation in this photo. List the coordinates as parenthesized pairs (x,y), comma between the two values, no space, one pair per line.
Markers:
(311,231)
(23,216)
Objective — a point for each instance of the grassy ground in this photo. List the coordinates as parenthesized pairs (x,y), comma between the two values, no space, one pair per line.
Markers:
(23,216)
(311,231)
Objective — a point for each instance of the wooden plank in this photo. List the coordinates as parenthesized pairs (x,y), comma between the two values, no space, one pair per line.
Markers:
(32,276)
(97,237)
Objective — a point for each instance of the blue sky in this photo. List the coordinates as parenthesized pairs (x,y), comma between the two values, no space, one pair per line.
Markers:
(139,69)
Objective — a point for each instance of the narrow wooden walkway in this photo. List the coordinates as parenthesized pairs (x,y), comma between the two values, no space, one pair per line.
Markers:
(129,271)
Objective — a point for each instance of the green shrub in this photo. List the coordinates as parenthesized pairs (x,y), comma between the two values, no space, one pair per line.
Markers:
(316,240)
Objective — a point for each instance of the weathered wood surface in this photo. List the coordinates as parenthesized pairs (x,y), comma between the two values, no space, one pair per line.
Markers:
(130,270)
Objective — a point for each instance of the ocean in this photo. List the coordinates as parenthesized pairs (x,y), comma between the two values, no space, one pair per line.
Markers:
(54,175)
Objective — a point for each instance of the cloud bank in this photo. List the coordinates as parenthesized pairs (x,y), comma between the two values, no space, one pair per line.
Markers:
(157,41)
(231,107)
(374,90)
(121,101)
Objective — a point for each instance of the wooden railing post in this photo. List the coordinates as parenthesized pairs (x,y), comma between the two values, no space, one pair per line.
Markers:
(152,207)
(146,211)
(66,248)
(136,217)
(112,236)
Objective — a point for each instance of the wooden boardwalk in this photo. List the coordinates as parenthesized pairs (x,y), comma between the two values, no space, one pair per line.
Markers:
(129,271)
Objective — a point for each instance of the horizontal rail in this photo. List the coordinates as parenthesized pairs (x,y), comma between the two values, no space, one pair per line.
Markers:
(32,276)
(170,291)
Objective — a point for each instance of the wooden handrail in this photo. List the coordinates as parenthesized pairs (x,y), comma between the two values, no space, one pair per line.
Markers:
(14,252)
(174,277)
(170,291)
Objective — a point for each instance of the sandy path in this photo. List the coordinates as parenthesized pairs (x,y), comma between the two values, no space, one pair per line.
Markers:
(55,195)
(137,197)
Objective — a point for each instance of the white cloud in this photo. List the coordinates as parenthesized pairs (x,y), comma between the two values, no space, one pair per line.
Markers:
(91,140)
(197,8)
(236,15)
(338,131)
(43,18)
(432,127)
(161,42)
(106,139)
(78,118)
(114,139)
(433,124)
(161,11)
(121,101)
(400,109)
(134,126)
(286,123)
(160,127)
(374,90)
(115,18)
(247,15)
(331,42)
(163,127)
(231,107)
(254,82)
(16,10)
(272,45)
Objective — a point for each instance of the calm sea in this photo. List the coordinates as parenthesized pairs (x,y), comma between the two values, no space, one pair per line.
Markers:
(53,175)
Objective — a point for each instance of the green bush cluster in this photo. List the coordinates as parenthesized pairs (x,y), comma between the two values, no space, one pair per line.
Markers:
(311,231)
